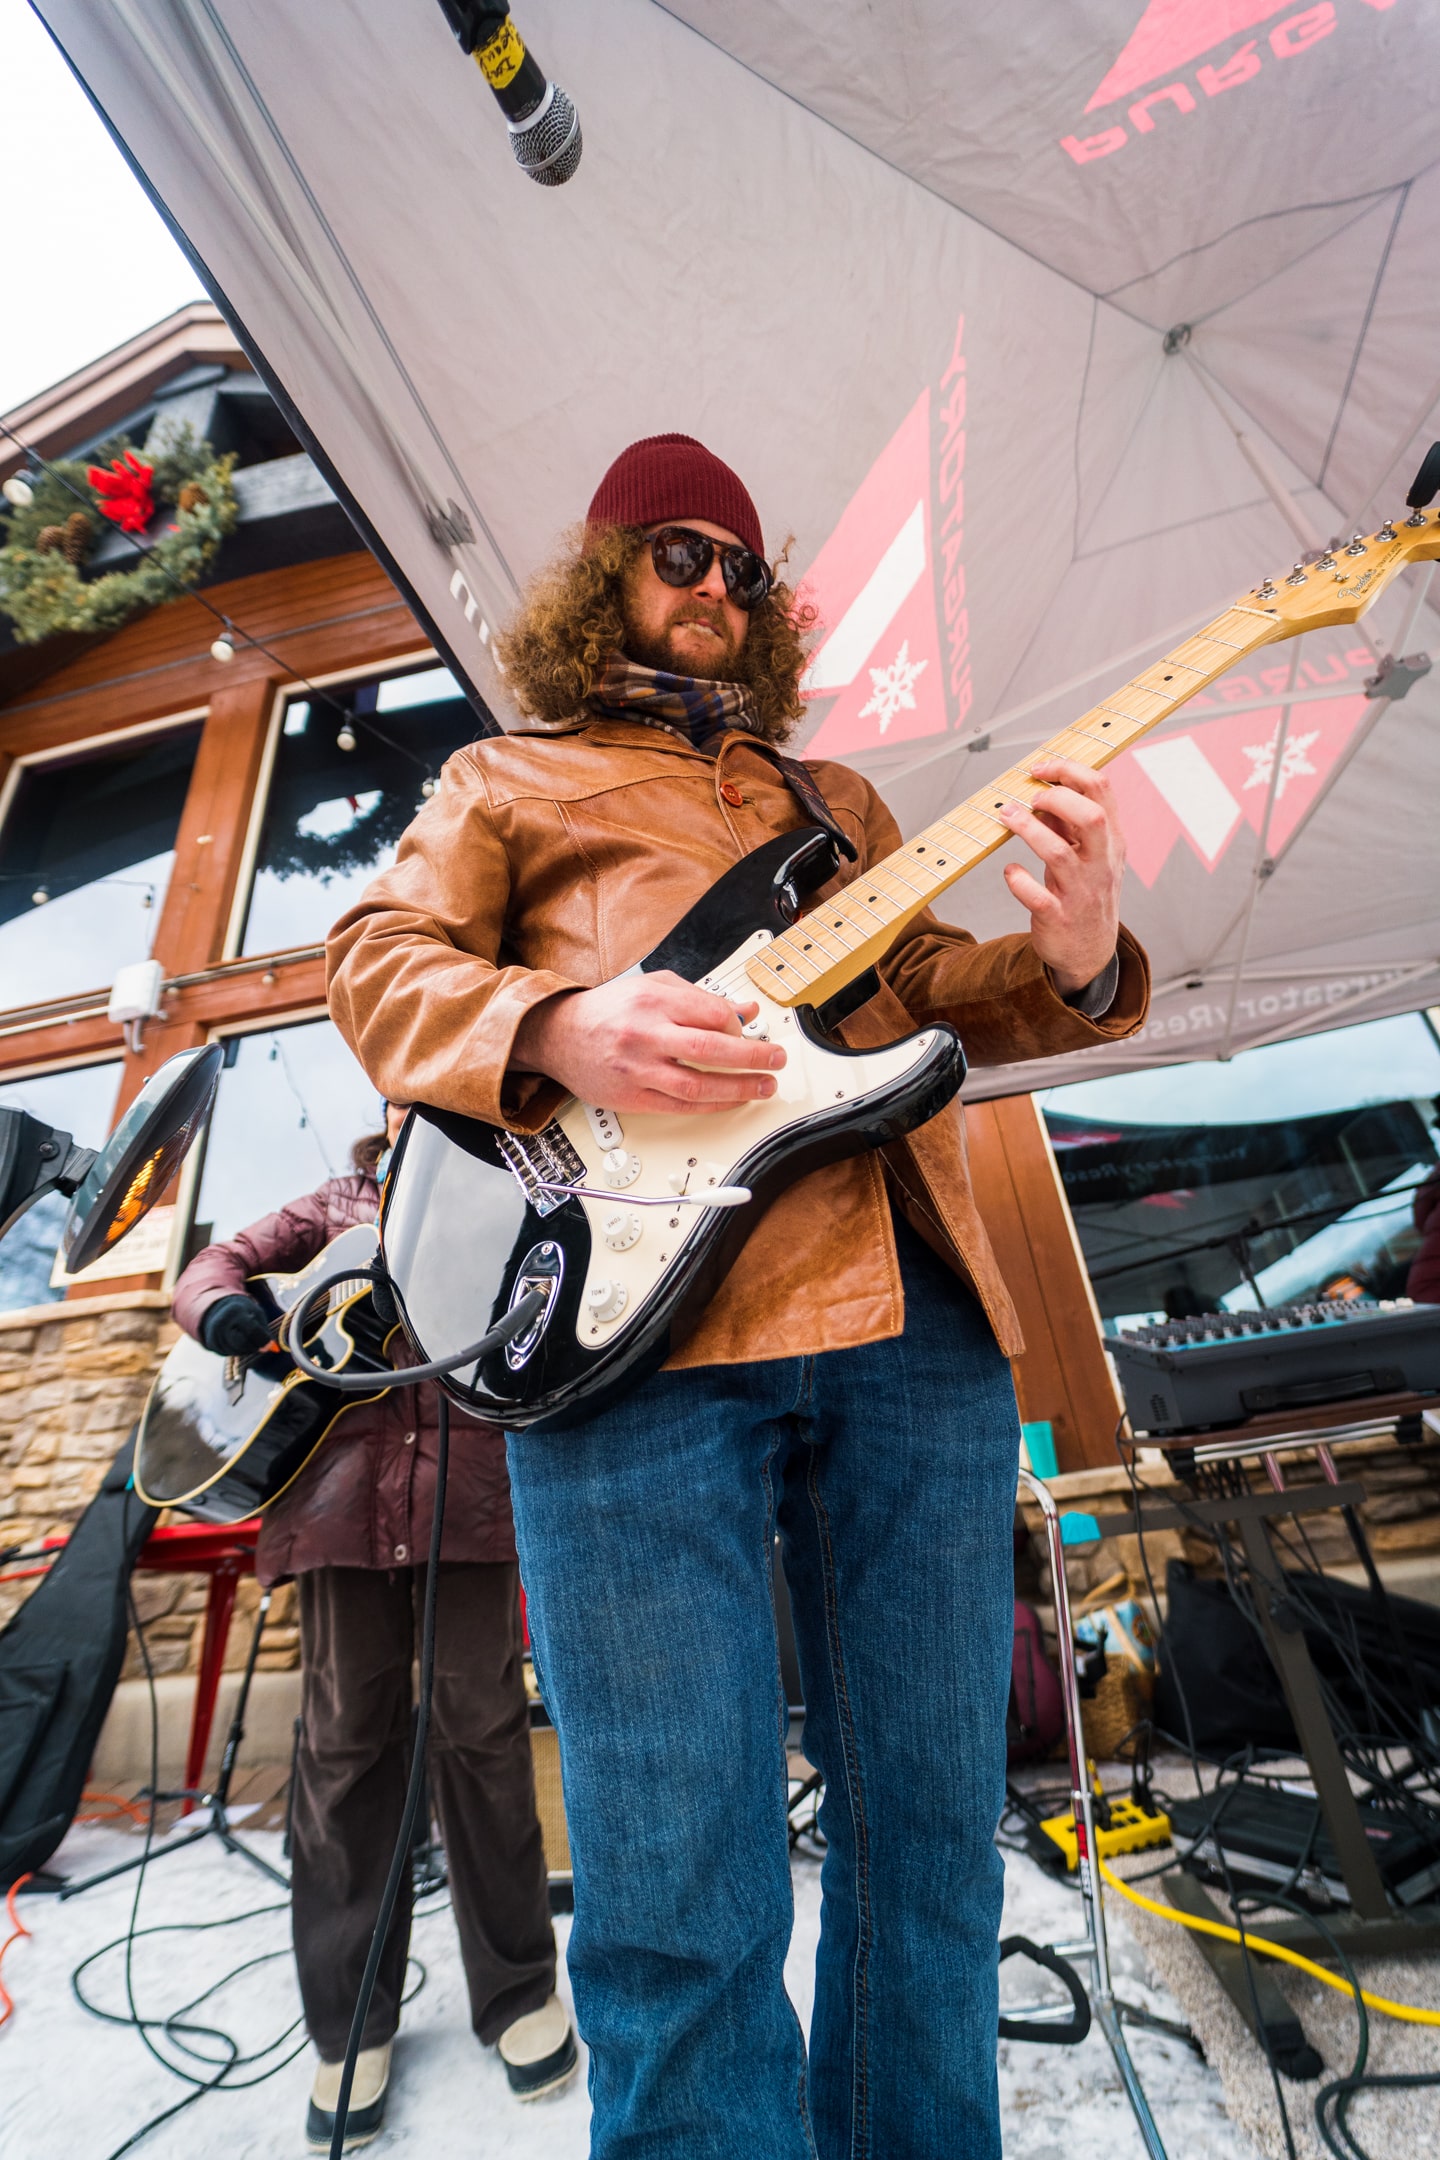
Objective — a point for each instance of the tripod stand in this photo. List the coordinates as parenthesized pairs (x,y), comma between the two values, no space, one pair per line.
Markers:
(217,1801)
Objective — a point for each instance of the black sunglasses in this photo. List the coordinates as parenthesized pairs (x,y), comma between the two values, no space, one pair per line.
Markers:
(683,556)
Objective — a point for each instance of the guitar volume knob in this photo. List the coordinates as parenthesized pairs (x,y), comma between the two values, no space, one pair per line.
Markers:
(622,1167)
(604,1299)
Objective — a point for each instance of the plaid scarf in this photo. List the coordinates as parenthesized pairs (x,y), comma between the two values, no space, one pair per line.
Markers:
(702,712)
(698,710)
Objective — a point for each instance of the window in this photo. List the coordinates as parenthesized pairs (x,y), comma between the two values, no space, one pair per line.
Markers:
(291,1104)
(1283,1176)
(79,1102)
(334,815)
(85,858)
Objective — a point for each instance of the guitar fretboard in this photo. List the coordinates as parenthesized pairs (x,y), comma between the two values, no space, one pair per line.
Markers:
(833,944)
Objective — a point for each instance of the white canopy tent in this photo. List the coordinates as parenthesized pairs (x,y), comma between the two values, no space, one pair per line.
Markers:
(1044,329)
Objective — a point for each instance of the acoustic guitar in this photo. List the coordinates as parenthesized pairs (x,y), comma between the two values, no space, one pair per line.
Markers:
(223,1437)
(627,1225)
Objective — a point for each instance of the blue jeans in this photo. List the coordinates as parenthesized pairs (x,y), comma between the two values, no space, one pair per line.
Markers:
(645,1540)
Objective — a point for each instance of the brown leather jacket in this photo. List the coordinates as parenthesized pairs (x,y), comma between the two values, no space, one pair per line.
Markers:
(366,1497)
(544,865)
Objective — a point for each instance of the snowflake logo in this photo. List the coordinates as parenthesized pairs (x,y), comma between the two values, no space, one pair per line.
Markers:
(1294,761)
(893,687)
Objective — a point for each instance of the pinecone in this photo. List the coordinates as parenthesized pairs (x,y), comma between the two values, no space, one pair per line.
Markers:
(77,537)
(50,539)
(191,496)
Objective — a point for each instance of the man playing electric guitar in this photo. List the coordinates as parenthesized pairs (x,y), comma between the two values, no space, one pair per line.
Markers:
(848,1381)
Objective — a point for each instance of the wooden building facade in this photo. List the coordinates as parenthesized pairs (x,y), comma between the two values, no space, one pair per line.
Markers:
(212,815)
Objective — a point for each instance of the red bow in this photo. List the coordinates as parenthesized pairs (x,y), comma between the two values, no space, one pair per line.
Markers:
(124,491)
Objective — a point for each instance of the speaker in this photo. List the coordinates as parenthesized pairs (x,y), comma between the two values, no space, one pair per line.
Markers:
(550,1807)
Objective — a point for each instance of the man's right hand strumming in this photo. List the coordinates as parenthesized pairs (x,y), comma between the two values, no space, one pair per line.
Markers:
(648,1042)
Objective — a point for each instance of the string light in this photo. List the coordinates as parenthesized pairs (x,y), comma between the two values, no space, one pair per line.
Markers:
(19,490)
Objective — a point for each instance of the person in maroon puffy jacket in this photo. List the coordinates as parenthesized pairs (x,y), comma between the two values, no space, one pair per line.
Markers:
(1423,1281)
(354,1531)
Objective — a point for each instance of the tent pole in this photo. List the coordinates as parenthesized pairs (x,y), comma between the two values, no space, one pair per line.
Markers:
(1263,867)
(1357,741)
(1273,485)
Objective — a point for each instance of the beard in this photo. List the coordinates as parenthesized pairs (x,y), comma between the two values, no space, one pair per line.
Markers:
(727,662)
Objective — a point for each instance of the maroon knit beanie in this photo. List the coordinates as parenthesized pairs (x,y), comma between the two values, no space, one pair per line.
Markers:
(673,476)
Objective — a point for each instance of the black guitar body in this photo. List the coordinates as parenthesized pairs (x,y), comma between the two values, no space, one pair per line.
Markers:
(223,1437)
(468,1224)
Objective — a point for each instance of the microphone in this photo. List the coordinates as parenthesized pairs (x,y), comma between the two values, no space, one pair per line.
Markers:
(544,125)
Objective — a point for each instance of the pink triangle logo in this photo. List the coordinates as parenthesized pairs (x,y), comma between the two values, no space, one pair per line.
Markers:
(873,584)
(1171,33)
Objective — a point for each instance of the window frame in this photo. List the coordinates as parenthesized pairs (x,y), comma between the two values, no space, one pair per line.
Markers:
(23,761)
(187,1190)
(400,664)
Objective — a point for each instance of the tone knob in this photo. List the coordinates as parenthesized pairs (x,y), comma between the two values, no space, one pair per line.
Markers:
(622,1167)
(604,1299)
(621,1230)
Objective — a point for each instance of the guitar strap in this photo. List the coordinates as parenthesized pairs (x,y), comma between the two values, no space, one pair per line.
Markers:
(804,787)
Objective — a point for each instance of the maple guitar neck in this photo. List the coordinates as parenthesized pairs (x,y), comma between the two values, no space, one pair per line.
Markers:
(829,947)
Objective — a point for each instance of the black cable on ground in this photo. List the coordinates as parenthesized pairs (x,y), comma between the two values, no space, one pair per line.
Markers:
(177,2025)
(1333,2101)
(400,1859)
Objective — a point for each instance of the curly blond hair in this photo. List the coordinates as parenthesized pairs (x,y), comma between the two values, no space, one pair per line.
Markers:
(572,619)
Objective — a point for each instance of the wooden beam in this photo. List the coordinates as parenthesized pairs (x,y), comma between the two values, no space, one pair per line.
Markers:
(210,844)
(1062,1375)
(321,617)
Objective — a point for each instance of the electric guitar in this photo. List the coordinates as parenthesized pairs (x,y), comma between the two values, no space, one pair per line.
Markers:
(223,1437)
(628,1224)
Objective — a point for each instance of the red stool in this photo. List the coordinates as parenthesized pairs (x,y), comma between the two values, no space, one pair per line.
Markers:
(224,1553)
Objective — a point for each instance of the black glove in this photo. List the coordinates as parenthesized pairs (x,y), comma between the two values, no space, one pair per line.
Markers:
(235,1326)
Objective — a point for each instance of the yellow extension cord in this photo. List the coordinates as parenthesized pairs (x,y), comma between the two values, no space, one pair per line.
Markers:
(1411,2014)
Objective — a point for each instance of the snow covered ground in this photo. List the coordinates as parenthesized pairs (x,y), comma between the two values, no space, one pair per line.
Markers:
(75,2088)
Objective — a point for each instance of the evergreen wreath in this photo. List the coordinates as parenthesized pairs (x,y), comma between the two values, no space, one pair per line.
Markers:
(374,835)
(42,590)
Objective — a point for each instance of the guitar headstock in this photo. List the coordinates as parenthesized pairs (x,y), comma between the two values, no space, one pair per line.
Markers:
(1340,584)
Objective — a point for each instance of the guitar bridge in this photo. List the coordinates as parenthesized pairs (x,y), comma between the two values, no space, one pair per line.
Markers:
(538,1160)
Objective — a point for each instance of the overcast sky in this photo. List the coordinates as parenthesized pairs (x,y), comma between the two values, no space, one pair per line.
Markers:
(87,261)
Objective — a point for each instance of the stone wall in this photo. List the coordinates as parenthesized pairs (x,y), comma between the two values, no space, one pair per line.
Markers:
(73,1380)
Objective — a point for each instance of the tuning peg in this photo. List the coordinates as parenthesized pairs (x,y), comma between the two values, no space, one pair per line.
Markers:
(1297,575)
(1387,530)
(1357,545)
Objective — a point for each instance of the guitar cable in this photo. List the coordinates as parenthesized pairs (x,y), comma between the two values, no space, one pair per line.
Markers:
(293,1329)
(518,1317)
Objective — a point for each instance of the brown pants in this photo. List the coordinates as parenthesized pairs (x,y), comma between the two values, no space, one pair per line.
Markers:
(359,1633)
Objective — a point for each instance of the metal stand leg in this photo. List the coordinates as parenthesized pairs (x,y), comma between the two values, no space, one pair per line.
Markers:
(218,1825)
(1108,2012)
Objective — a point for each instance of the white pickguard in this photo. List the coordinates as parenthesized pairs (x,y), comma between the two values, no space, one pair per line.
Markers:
(632,1246)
